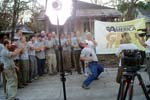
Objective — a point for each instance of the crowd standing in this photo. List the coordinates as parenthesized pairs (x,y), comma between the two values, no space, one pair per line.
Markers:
(28,59)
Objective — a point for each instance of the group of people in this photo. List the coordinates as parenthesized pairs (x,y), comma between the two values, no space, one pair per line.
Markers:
(25,61)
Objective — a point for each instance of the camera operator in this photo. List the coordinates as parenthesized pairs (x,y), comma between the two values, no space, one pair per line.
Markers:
(125,44)
(146,44)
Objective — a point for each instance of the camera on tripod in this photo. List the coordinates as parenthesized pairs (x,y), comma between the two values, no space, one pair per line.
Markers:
(131,60)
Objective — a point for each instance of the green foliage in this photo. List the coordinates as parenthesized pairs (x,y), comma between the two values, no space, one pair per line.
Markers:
(143,5)
(5,15)
(128,8)
(123,6)
(8,11)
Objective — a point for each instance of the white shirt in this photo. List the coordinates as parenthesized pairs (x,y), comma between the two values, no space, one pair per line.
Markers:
(89,52)
(90,44)
(147,46)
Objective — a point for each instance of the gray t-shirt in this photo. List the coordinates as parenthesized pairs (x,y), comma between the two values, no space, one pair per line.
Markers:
(40,54)
(49,44)
(89,52)
(75,43)
(16,42)
(1,47)
(31,51)
(6,58)
(147,46)
(66,45)
(24,55)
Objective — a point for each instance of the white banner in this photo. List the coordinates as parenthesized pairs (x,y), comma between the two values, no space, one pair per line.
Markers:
(108,34)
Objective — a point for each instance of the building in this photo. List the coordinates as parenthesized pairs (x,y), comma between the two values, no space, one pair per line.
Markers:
(143,13)
(83,17)
(23,27)
(86,13)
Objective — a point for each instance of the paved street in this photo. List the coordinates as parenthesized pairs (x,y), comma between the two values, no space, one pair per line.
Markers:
(50,88)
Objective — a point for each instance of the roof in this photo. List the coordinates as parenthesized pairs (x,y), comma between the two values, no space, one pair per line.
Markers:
(98,12)
(145,12)
(142,13)
(86,5)
(23,28)
(84,9)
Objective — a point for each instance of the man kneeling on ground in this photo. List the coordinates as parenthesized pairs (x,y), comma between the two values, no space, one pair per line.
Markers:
(89,55)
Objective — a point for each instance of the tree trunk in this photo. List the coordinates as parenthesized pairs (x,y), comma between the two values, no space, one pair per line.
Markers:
(131,10)
(14,20)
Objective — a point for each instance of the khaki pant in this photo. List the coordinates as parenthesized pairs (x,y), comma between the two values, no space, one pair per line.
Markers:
(25,70)
(12,83)
(67,61)
(76,59)
(19,73)
(51,63)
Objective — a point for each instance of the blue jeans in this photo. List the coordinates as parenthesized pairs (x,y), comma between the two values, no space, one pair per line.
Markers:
(96,69)
(41,66)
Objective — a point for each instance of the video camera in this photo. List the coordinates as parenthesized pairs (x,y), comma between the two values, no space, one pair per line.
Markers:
(142,32)
(131,60)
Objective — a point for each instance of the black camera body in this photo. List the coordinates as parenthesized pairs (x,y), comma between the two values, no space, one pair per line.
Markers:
(131,60)
(142,32)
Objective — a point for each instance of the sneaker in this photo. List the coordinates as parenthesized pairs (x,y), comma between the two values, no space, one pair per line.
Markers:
(16,99)
(79,73)
(148,91)
(66,74)
(148,86)
(51,74)
(20,86)
(85,87)
(36,77)
(97,78)
(86,74)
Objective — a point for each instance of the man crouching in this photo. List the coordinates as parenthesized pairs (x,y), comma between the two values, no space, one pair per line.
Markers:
(88,55)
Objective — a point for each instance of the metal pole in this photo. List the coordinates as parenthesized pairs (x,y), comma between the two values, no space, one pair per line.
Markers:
(63,79)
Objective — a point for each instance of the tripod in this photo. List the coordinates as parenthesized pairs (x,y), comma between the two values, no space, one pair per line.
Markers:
(127,84)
